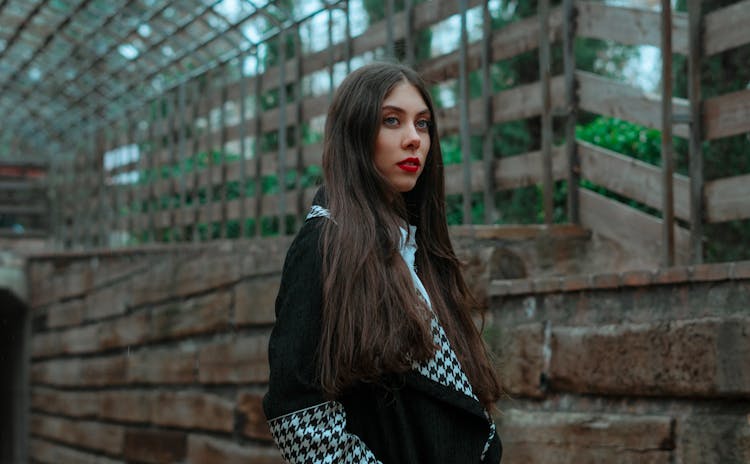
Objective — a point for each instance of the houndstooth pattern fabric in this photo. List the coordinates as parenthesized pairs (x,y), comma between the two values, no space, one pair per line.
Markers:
(444,367)
(317,211)
(489,439)
(317,435)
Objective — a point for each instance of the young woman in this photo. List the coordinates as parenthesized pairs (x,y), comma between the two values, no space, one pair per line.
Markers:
(374,356)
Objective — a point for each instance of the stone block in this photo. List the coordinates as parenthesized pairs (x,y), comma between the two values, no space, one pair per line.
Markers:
(547,285)
(91,435)
(131,330)
(265,256)
(65,403)
(66,314)
(125,405)
(40,287)
(45,344)
(606,281)
(153,366)
(207,450)
(710,272)
(192,316)
(193,410)
(156,284)
(155,446)
(62,372)
(255,300)
(520,358)
(78,340)
(637,278)
(720,438)
(111,269)
(741,270)
(241,360)
(672,275)
(75,280)
(542,437)
(250,406)
(112,300)
(699,357)
(47,452)
(577,282)
(104,371)
(192,277)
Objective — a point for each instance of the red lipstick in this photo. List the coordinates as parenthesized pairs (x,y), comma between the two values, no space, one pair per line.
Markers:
(409,164)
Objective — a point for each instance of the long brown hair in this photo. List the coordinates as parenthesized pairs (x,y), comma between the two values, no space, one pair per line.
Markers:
(374,322)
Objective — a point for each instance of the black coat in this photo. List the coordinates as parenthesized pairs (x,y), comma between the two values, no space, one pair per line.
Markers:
(409,418)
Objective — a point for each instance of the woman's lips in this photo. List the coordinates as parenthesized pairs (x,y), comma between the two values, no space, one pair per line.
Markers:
(409,164)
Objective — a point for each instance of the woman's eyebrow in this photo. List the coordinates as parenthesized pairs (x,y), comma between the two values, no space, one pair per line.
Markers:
(401,110)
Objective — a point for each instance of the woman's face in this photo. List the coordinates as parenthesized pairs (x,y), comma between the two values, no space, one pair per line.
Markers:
(403,139)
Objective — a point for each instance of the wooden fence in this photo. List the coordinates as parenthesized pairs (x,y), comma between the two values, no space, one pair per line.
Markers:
(24,210)
(233,153)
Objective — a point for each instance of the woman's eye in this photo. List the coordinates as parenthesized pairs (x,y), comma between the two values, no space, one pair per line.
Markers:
(390,121)
(423,124)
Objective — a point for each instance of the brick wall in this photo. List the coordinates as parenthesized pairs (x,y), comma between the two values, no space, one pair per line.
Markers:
(159,355)
(638,367)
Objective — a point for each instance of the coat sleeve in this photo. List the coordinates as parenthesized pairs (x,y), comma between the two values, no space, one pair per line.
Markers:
(306,427)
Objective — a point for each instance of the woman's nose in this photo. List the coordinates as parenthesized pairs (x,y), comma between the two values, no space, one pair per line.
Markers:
(412,138)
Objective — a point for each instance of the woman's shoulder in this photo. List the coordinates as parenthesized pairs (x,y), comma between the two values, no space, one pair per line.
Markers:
(306,245)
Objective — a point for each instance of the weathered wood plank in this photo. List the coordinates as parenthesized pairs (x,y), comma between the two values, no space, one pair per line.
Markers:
(727,28)
(629,26)
(727,114)
(628,226)
(631,178)
(695,149)
(611,98)
(728,199)
(516,38)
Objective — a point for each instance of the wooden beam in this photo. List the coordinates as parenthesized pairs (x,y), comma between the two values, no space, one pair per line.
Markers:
(631,178)
(546,116)
(571,94)
(667,156)
(629,26)
(695,150)
(727,114)
(611,98)
(728,199)
(630,227)
(727,28)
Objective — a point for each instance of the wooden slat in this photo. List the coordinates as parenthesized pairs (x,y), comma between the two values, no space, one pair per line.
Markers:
(510,173)
(523,101)
(632,178)
(727,115)
(516,38)
(727,28)
(571,94)
(629,26)
(546,116)
(23,209)
(611,98)
(631,228)
(695,148)
(667,152)
(22,185)
(728,199)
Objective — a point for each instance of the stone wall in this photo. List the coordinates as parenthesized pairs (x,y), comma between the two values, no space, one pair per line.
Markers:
(158,355)
(153,356)
(639,367)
